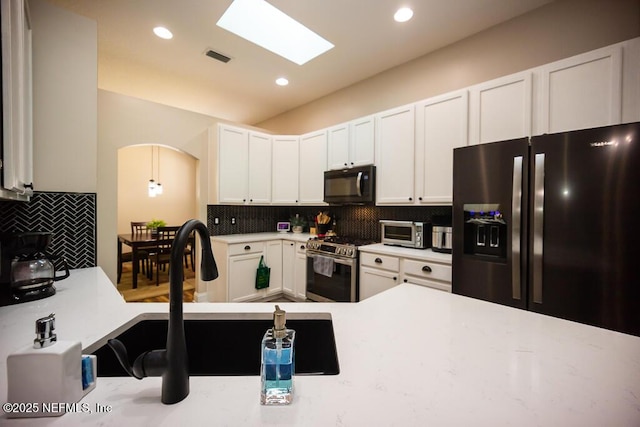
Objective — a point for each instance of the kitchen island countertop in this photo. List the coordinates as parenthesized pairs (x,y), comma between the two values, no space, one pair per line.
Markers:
(408,356)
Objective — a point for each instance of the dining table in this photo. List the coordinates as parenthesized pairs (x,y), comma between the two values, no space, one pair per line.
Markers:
(137,241)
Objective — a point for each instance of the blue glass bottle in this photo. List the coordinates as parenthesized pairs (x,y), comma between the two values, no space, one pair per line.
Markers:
(278,362)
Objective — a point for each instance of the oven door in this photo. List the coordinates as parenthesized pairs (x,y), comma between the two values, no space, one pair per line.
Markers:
(340,287)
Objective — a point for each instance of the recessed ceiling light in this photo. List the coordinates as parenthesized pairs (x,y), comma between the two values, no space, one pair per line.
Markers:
(163,33)
(282,81)
(263,24)
(403,14)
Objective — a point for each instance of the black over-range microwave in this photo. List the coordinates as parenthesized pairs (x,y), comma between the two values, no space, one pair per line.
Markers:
(354,186)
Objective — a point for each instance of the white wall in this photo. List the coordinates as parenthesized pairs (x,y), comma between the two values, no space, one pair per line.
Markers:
(65,116)
(126,121)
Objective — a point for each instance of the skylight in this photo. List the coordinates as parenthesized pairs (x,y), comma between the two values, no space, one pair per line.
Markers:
(261,23)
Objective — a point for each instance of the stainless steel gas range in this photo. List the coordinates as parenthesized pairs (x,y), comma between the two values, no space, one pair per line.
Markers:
(332,269)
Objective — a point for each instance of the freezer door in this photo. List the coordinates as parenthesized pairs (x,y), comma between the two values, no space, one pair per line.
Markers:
(489,213)
(584,227)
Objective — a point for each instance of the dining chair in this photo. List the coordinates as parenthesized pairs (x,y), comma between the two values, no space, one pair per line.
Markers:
(162,252)
(138,227)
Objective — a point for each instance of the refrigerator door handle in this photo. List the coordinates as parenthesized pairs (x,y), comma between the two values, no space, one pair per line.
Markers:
(516,212)
(538,226)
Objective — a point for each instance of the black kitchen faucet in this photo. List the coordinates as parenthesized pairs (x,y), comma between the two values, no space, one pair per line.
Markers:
(172,363)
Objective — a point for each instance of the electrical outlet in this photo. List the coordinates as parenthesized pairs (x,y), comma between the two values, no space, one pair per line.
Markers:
(233,220)
(216,221)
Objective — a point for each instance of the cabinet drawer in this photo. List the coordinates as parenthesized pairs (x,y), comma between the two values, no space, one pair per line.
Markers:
(428,283)
(380,261)
(246,248)
(301,248)
(427,270)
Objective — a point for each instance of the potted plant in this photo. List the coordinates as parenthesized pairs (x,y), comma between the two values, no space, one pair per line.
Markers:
(153,225)
(297,224)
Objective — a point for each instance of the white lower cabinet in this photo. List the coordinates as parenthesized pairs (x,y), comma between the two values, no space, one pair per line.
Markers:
(377,274)
(237,266)
(294,269)
(238,263)
(243,262)
(274,259)
(380,271)
(300,272)
(426,273)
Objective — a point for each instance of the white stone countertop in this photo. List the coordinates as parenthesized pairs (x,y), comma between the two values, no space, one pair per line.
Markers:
(410,356)
(260,237)
(422,254)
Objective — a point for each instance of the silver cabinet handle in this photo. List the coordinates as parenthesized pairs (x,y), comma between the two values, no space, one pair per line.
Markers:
(538,224)
(516,216)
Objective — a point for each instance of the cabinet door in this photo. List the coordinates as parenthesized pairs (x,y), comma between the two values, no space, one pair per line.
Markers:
(233,171)
(17,126)
(300,273)
(373,281)
(338,147)
(274,258)
(285,170)
(313,163)
(259,168)
(501,109)
(395,140)
(582,92)
(362,142)
(242,277)
(288,267)
(441,126)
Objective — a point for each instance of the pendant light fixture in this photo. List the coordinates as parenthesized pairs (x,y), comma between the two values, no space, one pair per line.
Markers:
(155,188)
(158,185)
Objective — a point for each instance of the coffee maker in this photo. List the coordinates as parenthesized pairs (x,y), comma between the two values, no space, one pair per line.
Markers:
(27,270)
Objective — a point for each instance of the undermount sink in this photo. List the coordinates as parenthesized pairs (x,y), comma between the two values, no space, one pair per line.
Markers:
(222,344)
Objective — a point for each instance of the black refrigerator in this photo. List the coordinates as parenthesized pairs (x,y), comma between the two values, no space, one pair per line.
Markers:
(551,224)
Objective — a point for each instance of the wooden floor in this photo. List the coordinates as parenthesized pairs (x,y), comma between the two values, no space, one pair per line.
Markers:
(147,291)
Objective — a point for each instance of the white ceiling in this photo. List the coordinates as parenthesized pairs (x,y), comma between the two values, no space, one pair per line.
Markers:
(133,61)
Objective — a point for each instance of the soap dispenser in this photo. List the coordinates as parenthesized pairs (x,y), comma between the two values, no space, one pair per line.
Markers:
(49,376)
(278,362)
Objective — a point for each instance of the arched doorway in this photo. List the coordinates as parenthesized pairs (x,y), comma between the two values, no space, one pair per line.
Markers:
(176,172)
(174,169)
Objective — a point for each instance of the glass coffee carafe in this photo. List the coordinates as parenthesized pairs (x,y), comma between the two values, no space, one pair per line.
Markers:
(32,269)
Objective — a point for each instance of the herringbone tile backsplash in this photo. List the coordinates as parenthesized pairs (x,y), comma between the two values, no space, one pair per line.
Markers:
(71,217)
(353,221)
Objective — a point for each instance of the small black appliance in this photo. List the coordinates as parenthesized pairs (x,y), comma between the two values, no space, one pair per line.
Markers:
(27,270)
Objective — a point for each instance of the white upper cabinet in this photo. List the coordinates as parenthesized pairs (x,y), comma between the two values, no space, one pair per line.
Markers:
(441,126)
(313,163)
(352,144)
(285,169)
(631,81)
(338,146)
(501,109)
(362,141)
(259,168)
(233,164)
(244,166)
(395,148)
(16,153)
(581,92)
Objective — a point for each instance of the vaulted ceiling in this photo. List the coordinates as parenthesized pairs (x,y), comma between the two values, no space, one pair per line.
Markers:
(133,61)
